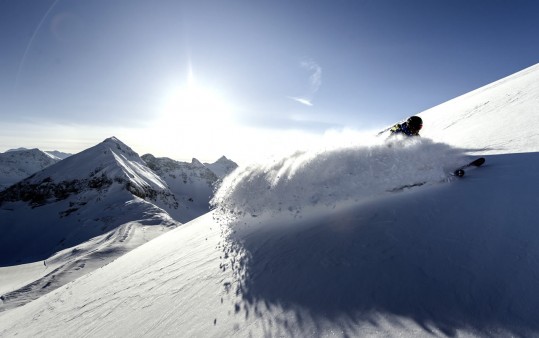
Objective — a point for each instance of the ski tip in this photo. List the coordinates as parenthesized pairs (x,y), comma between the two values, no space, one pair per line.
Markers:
(478,162)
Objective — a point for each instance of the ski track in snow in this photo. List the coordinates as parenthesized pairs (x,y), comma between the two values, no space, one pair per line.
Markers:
(74,262)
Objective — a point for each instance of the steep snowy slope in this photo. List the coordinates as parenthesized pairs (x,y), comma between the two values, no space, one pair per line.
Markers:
(495,119)
(335,251)
(16,165)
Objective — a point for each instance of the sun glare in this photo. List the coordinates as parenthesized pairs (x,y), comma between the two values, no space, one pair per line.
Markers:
(195,106)
(192,116)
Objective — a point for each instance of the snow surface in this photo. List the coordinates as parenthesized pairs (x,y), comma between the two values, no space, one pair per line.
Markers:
(496,119)
(324,243)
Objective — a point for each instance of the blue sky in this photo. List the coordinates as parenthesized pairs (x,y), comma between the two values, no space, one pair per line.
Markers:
(255,74)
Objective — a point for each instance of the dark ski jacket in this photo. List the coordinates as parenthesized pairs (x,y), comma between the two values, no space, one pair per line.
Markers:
(402,128)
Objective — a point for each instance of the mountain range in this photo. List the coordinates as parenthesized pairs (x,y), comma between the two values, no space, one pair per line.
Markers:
(103,199)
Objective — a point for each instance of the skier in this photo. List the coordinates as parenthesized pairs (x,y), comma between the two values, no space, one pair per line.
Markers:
(411,127)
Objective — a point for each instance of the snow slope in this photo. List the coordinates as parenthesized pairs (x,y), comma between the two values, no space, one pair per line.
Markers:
(336,250)
(139,222)
(496,119)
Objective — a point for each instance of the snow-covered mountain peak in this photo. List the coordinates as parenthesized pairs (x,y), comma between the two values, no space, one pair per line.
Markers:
(27,152)
(17,164)
(53,153)
(104,165)
(81,197)
(118,147)
(222,167)
(111,158)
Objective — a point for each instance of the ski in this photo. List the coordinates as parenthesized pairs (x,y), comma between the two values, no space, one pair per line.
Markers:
(475,163)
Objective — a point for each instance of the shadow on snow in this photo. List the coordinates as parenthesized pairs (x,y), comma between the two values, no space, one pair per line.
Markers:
(456,256)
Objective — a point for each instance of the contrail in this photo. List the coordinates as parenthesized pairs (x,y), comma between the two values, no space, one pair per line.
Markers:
(23,59)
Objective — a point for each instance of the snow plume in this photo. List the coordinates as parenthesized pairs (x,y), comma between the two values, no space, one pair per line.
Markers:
(326,178)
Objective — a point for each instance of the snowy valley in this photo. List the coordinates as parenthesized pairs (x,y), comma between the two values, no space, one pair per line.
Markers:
(319,243)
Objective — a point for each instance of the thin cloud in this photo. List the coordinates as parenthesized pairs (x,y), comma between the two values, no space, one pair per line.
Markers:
(302,100)
(316,76)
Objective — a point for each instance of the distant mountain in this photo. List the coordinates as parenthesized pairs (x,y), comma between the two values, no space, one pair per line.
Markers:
(78,198)
(192,184)
(17,149)
(18,164)
(81,212)
(222,167)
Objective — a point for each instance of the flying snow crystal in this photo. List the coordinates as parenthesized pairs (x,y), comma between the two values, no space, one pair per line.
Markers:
(327,177)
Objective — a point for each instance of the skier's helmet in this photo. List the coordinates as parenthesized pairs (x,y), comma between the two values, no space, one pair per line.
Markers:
(415,123)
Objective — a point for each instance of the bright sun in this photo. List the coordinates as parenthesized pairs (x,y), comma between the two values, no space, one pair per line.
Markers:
(195,117)
(196,106)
